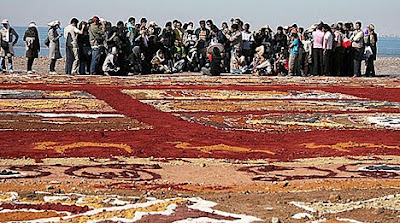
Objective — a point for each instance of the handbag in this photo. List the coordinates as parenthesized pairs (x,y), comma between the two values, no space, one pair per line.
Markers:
(346,43)
(47,42)
(368,52)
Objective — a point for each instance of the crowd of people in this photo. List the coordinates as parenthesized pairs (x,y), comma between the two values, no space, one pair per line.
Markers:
(96,47)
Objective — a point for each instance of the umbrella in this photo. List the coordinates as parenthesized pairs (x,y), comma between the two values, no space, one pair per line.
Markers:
(221,48)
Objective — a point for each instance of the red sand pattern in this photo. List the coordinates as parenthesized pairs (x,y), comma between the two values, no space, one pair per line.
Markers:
(168,128)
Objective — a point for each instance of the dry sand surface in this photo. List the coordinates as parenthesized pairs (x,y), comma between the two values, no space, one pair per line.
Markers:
(195,148)
(384,66)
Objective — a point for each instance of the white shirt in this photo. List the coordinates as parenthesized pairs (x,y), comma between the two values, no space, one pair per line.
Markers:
(328,36)
(247,39)
(71,34)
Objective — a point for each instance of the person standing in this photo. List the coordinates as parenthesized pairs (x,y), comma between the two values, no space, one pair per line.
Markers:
(96,37)
(31,38)
(293,57)
(317,52)
(130,25)
(372,40)
(71,33)
(54,44)
(280,40)
(235,38)
(327,46)
(248,41)
(338,51)
(8,39)
(357,43)
(306,57)
(203,39)
(85,50)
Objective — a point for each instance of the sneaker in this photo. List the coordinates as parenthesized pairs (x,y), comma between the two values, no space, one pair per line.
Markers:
(53,73)
(11,71)
(30,72)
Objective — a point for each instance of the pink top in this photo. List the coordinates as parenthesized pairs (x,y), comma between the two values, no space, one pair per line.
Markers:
(318,39)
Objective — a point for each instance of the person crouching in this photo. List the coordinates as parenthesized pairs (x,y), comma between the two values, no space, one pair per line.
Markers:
(158,65)
(110,66)
(215,63)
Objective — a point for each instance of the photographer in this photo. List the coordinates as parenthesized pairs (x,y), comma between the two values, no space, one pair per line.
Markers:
(96,37)
(71,34)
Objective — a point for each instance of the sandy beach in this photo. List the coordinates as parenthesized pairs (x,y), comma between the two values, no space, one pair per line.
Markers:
(384,66)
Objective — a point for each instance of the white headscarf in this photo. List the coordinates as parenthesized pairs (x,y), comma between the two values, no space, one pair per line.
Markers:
(7,37)
(32,24)
(54,23)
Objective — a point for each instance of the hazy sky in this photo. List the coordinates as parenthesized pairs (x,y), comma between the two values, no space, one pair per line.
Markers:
(384,13)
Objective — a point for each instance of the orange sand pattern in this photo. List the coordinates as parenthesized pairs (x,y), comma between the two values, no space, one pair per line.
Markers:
(220,147)
(62,148)
(346,146)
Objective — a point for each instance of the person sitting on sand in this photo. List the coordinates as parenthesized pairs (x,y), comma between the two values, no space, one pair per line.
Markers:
(260,65)
(178,57)
(238,63)
(158,65)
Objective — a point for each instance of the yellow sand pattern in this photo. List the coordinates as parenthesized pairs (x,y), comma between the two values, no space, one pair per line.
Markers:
(6,197)
(51,103)
(127,214)
(219,147)
(346,146)
(59,148)
(318,124)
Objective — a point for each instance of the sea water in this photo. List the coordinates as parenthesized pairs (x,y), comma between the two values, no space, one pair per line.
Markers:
(387,46)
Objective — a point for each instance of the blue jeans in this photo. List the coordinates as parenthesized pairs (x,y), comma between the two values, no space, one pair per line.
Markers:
(3,63)
(96,55)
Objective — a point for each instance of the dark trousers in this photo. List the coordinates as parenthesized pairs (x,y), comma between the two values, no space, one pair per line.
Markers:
(53,65)
(337,66)
(348,62)
(370,72)
(248,55)
(304,63)
(30,64)
(358,56)
(317,61)
(327,61)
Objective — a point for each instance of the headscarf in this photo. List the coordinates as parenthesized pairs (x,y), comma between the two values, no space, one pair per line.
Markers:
(32,25)
(7,37)
(54,23)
